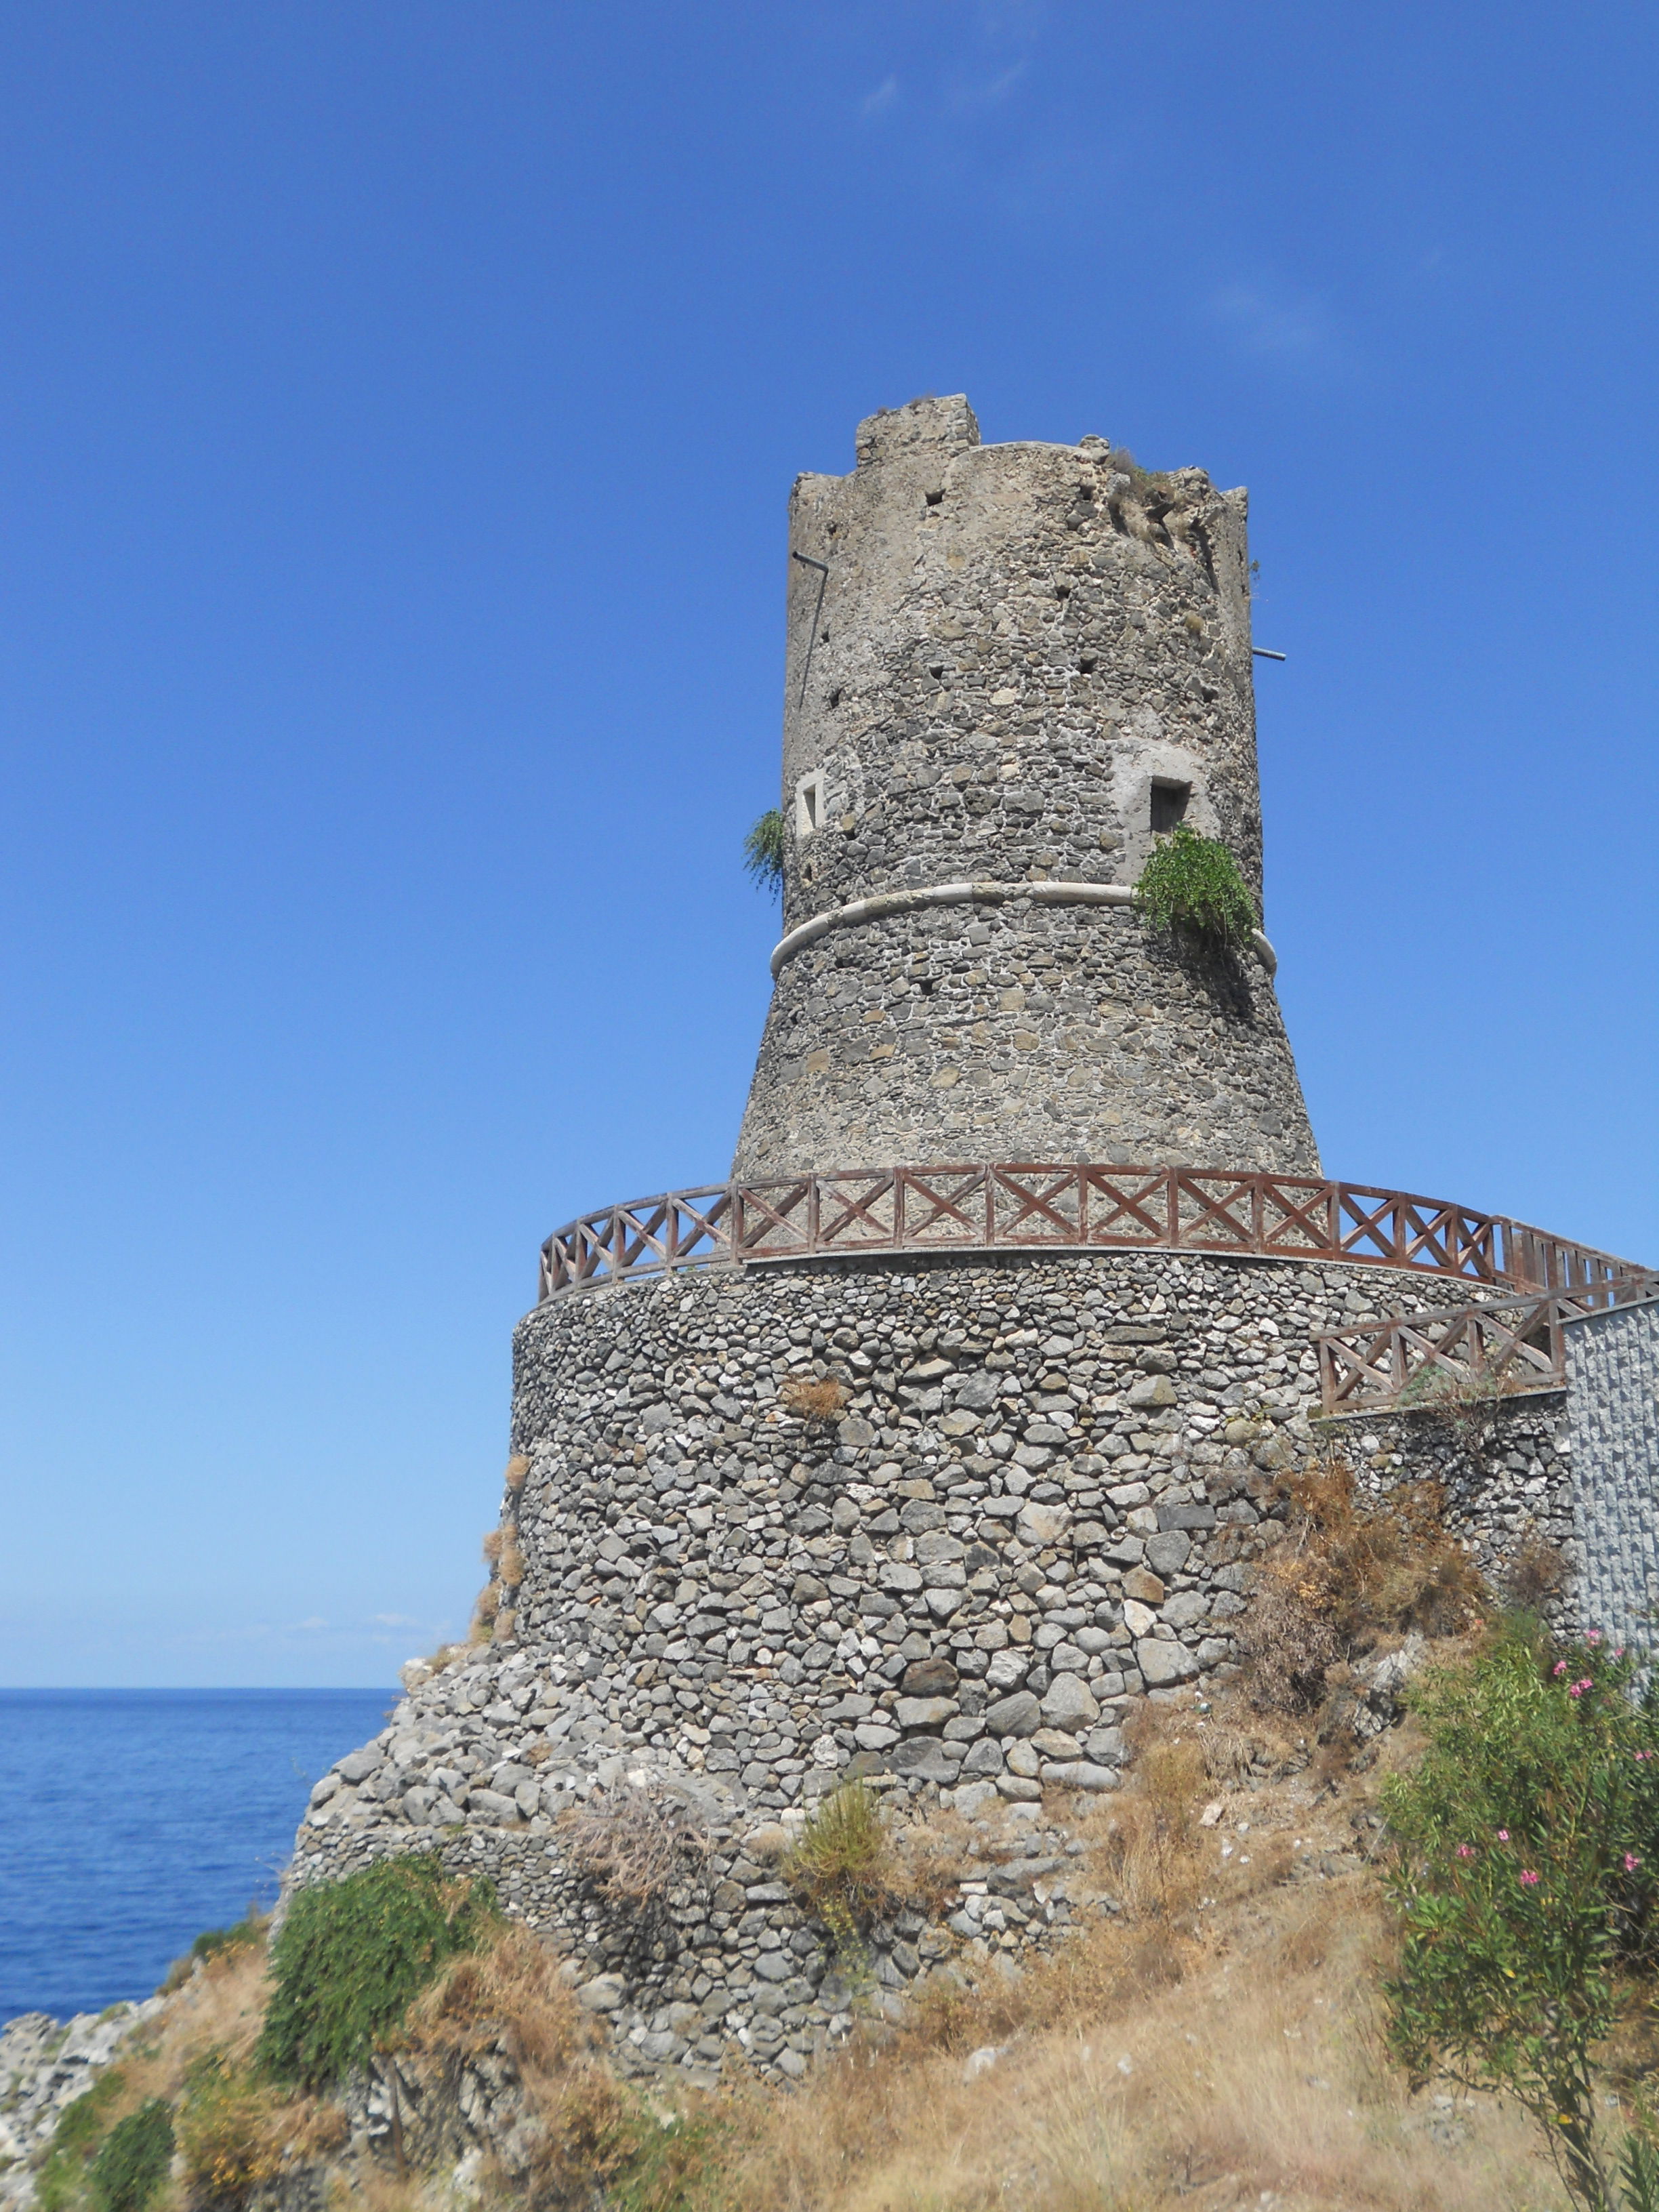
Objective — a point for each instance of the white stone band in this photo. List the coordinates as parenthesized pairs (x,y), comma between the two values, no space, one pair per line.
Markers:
(877,909)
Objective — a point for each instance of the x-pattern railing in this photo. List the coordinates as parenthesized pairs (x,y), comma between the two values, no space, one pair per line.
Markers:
(1465,1354)
(1035,1206)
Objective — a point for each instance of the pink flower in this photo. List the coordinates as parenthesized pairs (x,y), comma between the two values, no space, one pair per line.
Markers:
(1559,1667)
(1503,1835)
(1577,1689)
(1632,1861)
(1593,1636)
(1529,1879)
(1466,1851)
(1620,1653)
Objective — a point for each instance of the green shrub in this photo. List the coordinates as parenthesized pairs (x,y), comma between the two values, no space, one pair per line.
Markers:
(350,1956)
(1192,888)
(840,1865)
(762,852)
(1527,1878)
(133,2161)
(63,2178)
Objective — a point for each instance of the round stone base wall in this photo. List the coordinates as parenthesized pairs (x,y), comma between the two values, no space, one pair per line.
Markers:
(937,1519)
(939,1524)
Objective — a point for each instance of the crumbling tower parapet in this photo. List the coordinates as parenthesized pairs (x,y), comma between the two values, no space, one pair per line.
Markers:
(1007,667)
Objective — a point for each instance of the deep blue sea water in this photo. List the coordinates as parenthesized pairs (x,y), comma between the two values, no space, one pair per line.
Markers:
(131,1820)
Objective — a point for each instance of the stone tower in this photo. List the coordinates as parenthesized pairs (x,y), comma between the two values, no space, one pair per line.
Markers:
(1007,668)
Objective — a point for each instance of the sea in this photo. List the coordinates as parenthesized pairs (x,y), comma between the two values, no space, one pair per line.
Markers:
(132,1819)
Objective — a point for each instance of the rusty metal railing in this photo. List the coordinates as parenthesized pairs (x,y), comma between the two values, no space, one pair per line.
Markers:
(1025,1205)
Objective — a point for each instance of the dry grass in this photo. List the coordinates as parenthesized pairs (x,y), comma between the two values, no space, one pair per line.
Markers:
(1535,1575)
(817,1402)
(638,1844)
(1351,1569)
(491,1546)
(1214,2045)
(929,1856)
(510,1567)
(517,1469)
(511,1998)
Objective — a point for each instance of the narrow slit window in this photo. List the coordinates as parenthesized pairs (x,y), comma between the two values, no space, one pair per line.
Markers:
(1169,806)
(810,804)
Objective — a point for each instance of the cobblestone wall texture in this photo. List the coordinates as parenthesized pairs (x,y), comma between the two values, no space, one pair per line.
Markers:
(995,654)
(1612,1394)
(1040,1496)
(1020,1032)
(1506,1470)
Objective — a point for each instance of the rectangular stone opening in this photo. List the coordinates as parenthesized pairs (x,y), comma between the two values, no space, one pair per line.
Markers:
(810,804)
(1168,806)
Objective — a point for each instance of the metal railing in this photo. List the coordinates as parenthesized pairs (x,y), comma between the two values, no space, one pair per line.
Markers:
(1023,1205)
(1494,1350)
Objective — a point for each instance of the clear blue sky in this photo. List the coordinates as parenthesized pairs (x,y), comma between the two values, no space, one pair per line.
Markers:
(398,407)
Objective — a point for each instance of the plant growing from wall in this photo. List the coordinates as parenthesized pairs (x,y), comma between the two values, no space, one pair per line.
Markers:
(1191,888)
(638,1844)
(762,852)
(819,1401)
(840,1865)
(353,1953)
(1527,1883)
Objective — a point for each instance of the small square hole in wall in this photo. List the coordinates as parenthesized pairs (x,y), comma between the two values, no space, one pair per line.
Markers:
(1168,806)
(812,803)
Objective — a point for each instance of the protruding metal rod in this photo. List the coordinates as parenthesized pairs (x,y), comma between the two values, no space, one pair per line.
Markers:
(1263,652)
(823,567)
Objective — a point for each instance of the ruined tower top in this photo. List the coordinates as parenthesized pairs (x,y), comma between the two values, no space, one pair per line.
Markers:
(1007,668)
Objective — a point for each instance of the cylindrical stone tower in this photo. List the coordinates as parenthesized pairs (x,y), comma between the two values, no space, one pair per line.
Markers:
(1008,667)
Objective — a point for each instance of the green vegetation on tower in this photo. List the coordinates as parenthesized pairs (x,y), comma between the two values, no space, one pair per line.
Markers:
(1191,887)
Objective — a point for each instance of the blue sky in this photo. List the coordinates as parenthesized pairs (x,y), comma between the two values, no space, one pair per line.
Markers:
(398,408)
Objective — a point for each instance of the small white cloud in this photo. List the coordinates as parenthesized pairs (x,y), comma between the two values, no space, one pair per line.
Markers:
(1291,330)
(394,1620)
(313,1624)
(885,94)
(969,99)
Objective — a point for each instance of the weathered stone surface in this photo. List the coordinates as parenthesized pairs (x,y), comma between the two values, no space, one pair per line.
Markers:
(1162,1663)
(1040,1525)
(924,1712)
(993,657)
(603,1993)
(1067,1703)
(1019,1715)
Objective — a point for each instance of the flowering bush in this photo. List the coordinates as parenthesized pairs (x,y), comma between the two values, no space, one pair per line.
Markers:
(1527,1878)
